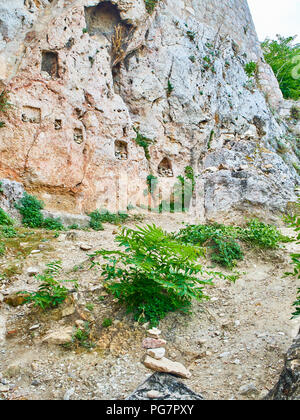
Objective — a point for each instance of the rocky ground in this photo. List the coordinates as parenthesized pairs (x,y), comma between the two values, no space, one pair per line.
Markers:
(233,345)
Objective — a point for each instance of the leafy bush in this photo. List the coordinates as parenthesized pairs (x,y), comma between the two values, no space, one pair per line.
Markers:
(82,337)
(104,216)
(262,235)
(50,293)
(52,224)
(283,55)
(107,322)
(222,240)
(8,232)
(30,209)
(226,251)
(96,220)
(5,219)
(155,274)
(294,221)
(2,249)
(251,69)
(297,306)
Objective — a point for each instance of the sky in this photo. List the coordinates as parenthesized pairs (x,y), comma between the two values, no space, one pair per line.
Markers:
(273,17)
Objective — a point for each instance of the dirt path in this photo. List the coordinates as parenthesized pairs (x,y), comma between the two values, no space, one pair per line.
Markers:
(233,344)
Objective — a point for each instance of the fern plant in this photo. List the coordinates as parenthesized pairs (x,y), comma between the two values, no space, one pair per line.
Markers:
(154,275)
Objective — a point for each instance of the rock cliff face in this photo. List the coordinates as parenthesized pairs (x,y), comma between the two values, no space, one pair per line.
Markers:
(85,77)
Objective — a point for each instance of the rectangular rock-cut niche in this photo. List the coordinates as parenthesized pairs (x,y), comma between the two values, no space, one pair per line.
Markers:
(50,63)
(58,124)
(78,135)
(121,150)
(31,114)
(165,168)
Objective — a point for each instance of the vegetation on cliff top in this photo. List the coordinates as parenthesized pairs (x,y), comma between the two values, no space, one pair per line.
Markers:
(283,55)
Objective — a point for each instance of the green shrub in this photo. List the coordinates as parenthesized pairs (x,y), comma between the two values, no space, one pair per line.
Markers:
(82,337)
(2,249)
(50,293)
(150,5)
(52,224)
(170,88)
(251,69)
(96,220)
(262,235)
(8,232)
(5,219)
(143,142)
(107,322)
(295,113)
(296,314)
(104,216)
(282,54)
(155,274)
(30,209)
(226,251)
(222,240)
(294,221)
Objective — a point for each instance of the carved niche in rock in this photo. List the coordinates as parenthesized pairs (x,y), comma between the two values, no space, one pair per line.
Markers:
(50,63)
(78,135)
(31,114)
(102,19)
(165,168)
(121,150)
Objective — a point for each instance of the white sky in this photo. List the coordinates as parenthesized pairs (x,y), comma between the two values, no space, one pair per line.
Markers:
(273,17)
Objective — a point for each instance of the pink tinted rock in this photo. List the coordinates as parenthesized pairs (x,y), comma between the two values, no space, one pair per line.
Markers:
(153,343)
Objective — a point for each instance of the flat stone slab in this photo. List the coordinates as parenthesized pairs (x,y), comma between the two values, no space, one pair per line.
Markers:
(167,386)
(167,366)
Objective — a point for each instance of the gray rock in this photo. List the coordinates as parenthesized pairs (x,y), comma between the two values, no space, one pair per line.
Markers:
(288,386)
(167,386)
(248,389)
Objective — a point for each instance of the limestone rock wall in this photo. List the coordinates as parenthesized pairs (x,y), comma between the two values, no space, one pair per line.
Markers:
(83,74)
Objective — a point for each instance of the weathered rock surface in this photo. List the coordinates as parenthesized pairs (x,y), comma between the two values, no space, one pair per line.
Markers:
(157,353)
(77,98)
(167,387)
(167,366)
(288,386)
(62,335)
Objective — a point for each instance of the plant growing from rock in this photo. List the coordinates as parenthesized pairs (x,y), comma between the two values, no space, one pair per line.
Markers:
(154,275)
(251,69)
(30,209)
(4,104)
(50,293)
(294,221)
(82,337)
(143,142)
(150,5)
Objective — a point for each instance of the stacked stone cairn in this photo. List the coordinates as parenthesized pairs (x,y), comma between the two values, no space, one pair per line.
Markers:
(156,360)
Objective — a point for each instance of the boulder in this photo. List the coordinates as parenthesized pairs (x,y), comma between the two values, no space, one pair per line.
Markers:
(163,386)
